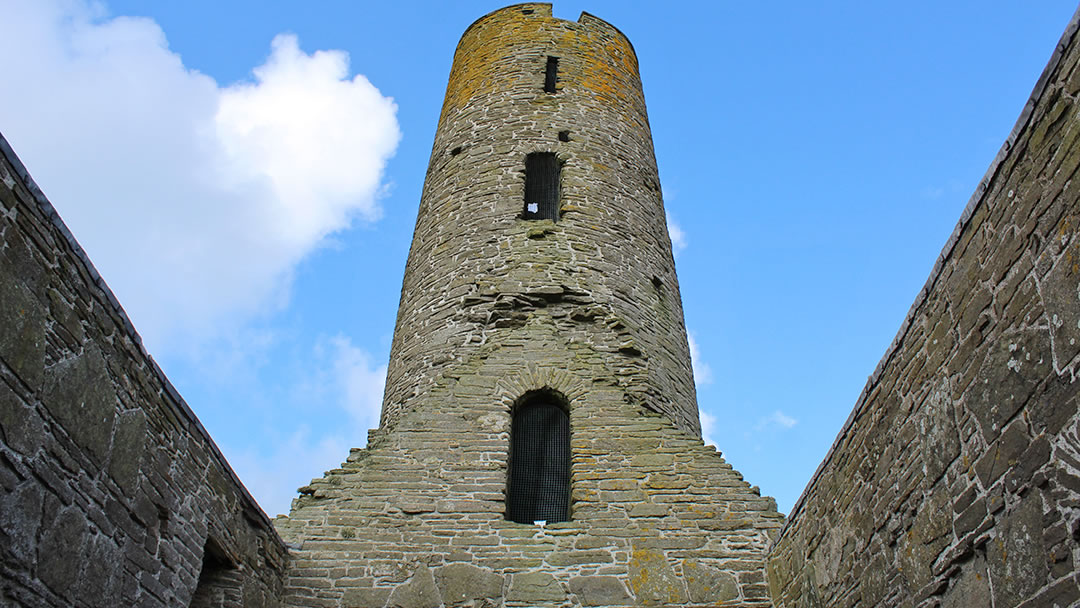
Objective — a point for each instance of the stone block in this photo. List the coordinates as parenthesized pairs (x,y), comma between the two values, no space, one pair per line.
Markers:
(460,584)
(1002,454)
(80,394)
(418,592)
(366,598)
(578,557)
(60,551)
(968,519)
(709,585)
(20,520)
(103,561)
(1037,454)
(1015,554)
(1064,592)
(20,426)
(940,444)
(535,587)
(22,342)
(1014,366)
(645,509)
(1060,292)
(652,579)
(600,591)
(1055,405)
(129,439)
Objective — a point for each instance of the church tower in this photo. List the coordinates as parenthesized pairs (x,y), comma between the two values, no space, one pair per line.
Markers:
(539,442)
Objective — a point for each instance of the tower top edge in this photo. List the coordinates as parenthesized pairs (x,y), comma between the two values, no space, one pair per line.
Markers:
(543,10)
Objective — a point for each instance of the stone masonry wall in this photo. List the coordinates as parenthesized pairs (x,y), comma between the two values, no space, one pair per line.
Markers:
(416,519)
(475,266)
(110,489)
(956,481)
(494,308)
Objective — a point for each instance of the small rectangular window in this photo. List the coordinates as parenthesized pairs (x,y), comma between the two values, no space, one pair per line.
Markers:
(551,74)
(541,186)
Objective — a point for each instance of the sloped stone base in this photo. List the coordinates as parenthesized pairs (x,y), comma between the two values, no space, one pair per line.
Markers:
(416,519)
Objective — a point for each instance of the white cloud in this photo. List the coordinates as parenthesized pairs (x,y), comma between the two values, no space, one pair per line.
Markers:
(195,201)
(318,138)
(359,381)
(272,478)
(932,192)
(678,237)
(708,428)
(341,389)
(702,371)
(777,419)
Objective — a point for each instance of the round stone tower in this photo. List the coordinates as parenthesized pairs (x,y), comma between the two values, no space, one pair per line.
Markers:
(539,443)
(541,108)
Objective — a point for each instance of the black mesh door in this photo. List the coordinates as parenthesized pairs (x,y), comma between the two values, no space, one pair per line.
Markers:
(539,485)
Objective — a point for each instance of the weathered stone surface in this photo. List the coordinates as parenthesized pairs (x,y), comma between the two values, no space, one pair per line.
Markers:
(926,538)
(708,585)
(127,449)
(1013,369)
(460,583)
(643,509)
(653,581)
(81,396)
(942,440)
(366,598)
(535,587)
(60,551)
(600,591)
(972,587)
(20,520)
(1060,293)
(99,578)
(20,427)
(22,343)
(1016,555)
(419,592)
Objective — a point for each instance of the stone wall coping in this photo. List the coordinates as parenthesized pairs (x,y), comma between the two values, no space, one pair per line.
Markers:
(174,400)
(977,198)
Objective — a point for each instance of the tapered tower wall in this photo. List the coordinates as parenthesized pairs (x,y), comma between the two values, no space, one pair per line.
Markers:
(495,308)
(477,269)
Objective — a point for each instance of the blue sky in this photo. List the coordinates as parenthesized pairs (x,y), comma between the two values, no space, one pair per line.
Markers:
(814,158)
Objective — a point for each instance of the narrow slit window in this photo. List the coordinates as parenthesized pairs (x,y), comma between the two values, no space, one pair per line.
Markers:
(542,186)
(538,488)
(551,74)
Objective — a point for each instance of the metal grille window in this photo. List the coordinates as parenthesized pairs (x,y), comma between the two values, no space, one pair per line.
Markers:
(541,187)
(539,484)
